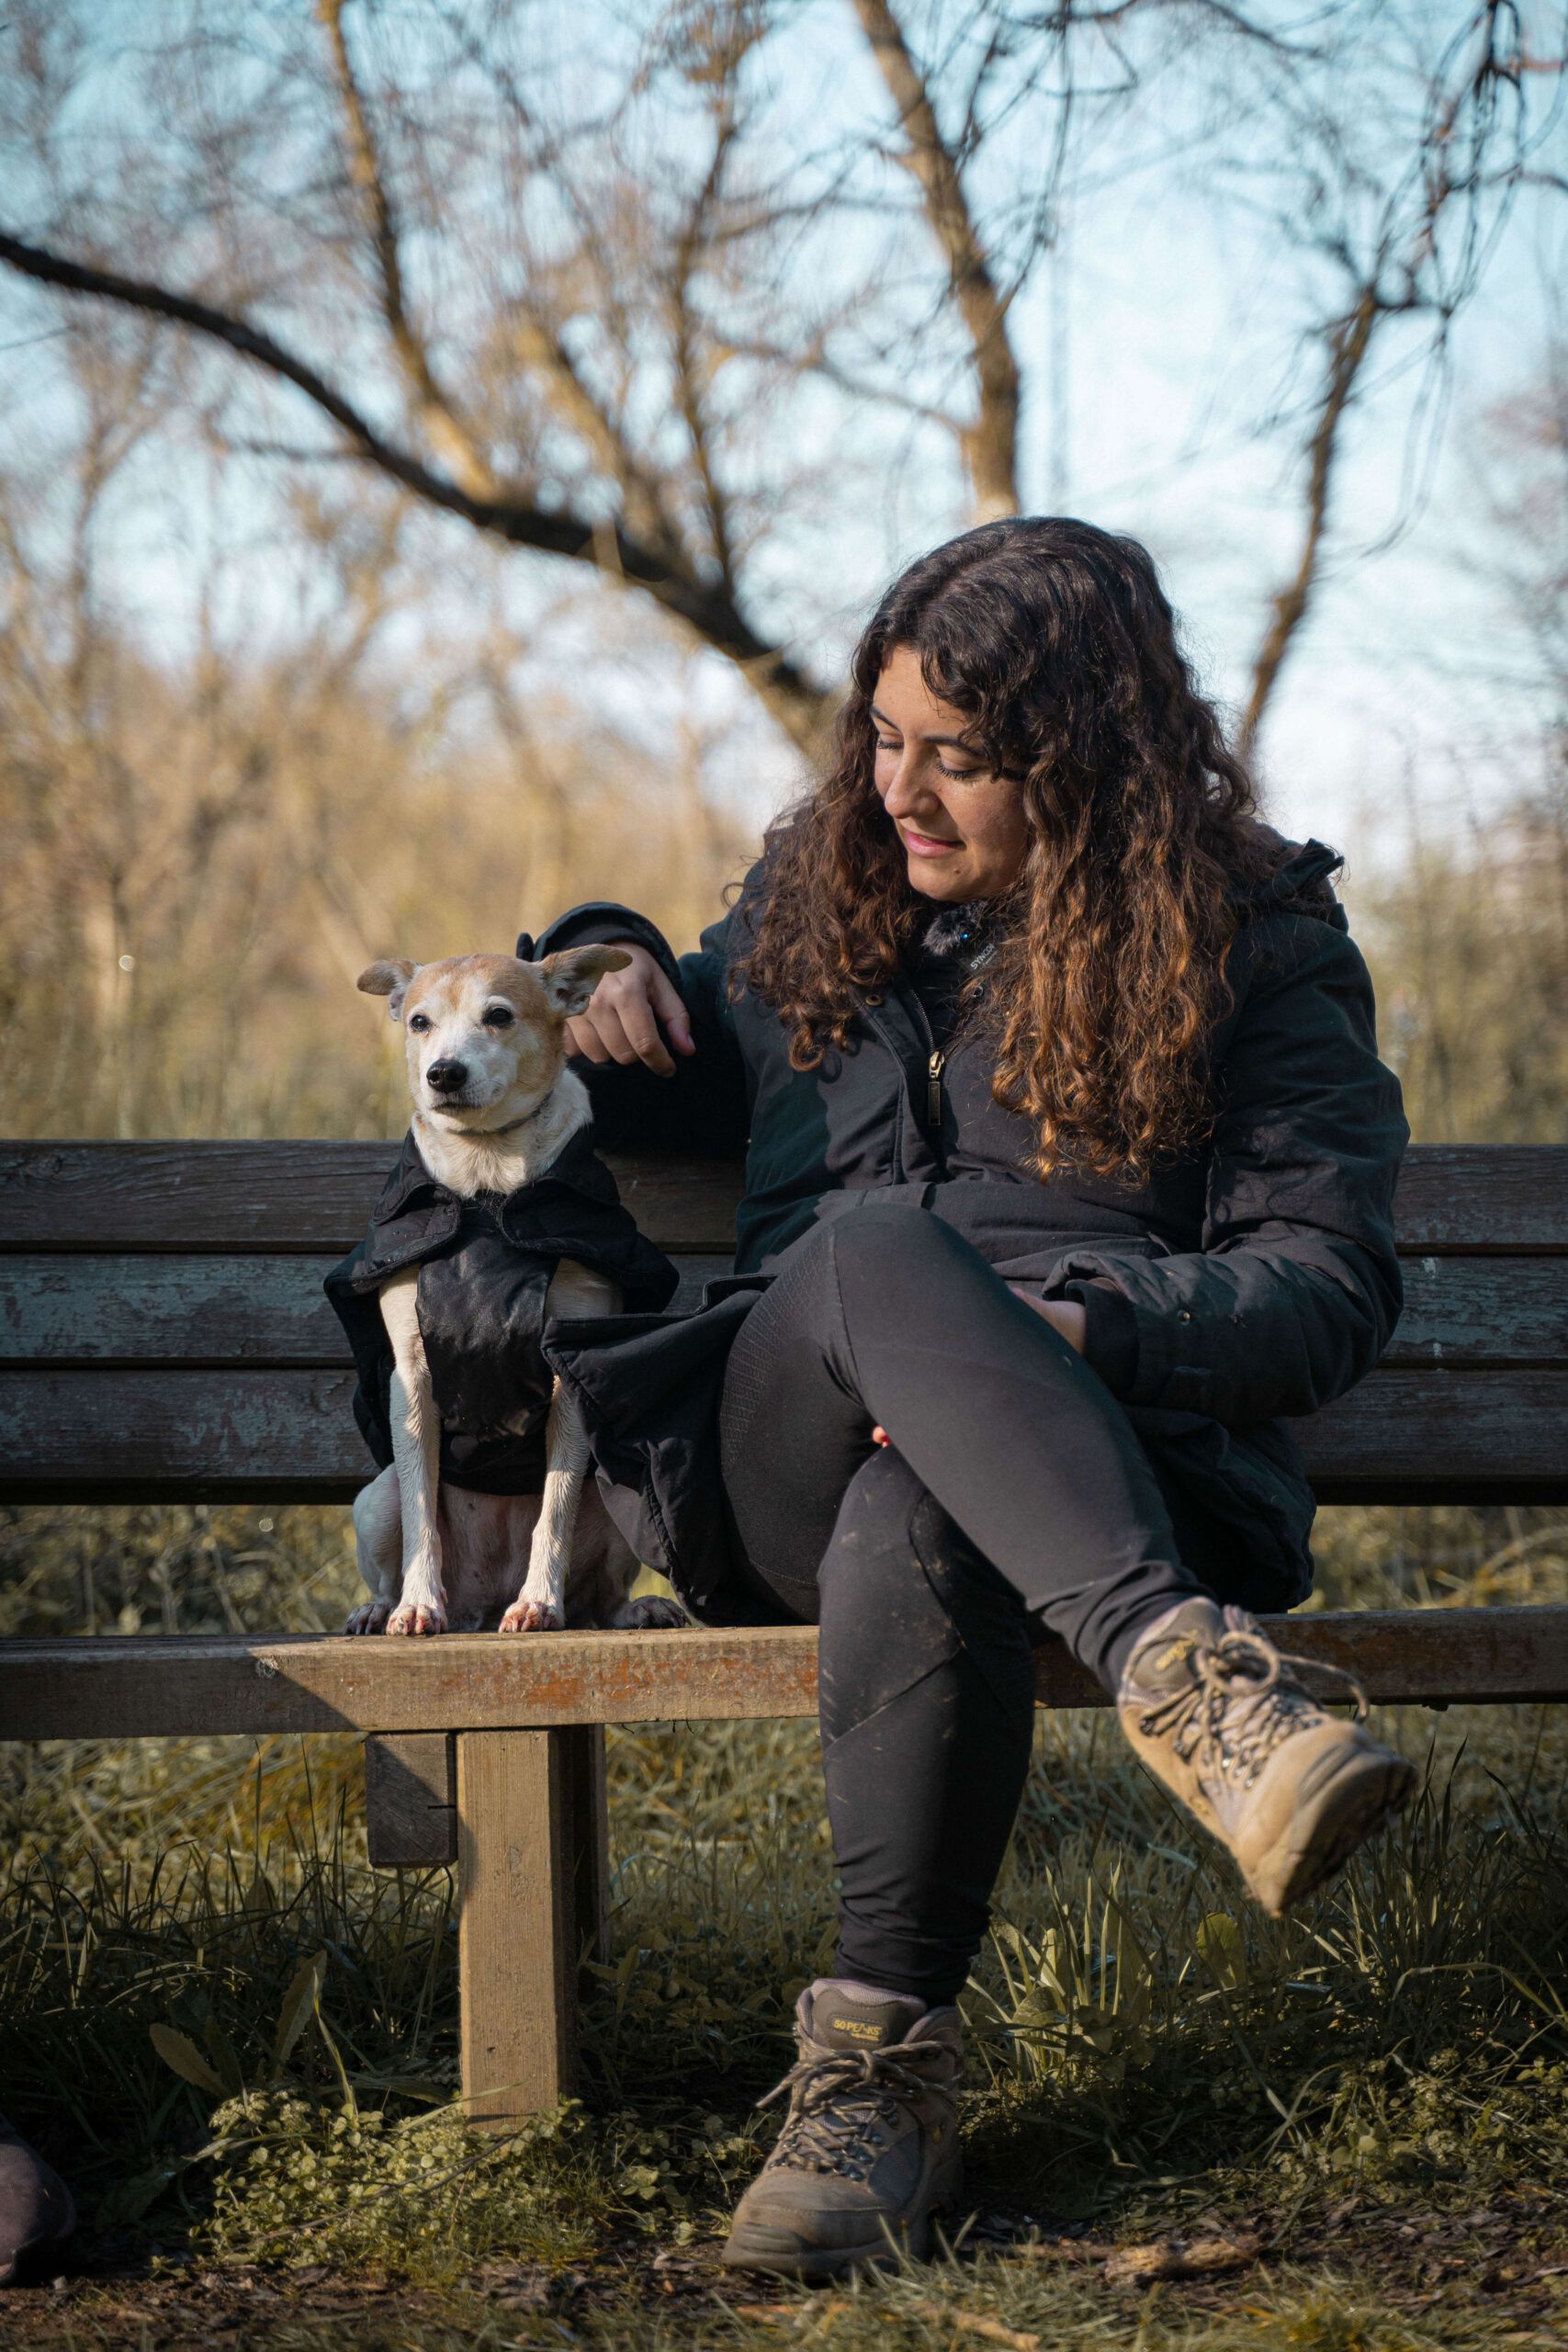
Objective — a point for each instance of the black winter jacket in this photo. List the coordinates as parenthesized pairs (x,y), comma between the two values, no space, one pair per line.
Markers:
(485,1264)
(1253,1281)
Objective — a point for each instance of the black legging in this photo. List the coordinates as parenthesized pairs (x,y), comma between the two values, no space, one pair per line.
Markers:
(1014,1484)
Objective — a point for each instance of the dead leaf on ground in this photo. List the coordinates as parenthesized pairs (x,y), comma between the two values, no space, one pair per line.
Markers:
(1017,2339)
(1137,2266)
(1065,2249)
(771,2315)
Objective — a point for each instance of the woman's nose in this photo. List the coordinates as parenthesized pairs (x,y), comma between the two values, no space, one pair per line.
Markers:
(908,788)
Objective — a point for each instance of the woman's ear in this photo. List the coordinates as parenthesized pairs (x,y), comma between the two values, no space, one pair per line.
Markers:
(571,977)
(388,979)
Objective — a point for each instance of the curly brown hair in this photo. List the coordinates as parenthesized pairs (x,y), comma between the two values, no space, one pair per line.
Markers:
(1056,642)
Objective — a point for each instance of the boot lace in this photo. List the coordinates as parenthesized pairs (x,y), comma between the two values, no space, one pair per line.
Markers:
(842,2102)
(1246,1698)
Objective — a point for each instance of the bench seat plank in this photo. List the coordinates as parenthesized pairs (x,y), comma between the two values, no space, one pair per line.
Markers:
(313,1197)
(230,1432)
(109,1687)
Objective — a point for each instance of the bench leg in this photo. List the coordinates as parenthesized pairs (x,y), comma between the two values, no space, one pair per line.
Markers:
(410,1801)
(530,1860)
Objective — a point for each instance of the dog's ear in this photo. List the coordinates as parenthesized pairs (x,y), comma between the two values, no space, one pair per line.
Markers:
(389,980)
(571,977)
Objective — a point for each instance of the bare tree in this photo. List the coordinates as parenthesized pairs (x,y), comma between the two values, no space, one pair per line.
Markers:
(582,298)
(1432,211)
(688,289)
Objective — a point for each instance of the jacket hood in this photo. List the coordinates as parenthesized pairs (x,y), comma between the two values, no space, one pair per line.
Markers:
(1299,883)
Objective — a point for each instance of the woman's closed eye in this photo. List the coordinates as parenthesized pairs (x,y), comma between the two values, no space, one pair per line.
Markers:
(959,776)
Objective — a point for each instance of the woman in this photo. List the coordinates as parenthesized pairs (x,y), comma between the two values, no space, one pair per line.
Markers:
(1069,1167)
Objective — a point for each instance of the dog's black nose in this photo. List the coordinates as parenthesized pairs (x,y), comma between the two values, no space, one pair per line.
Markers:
(448,1078)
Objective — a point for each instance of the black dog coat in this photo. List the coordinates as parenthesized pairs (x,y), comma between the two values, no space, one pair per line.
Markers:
(484,1266)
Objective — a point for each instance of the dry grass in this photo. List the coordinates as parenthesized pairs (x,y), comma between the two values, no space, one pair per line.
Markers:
(1375,2092)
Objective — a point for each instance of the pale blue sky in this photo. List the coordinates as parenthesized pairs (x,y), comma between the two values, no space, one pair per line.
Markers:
(1176,319)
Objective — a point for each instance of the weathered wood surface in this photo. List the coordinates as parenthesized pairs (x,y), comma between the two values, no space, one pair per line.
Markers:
(88,1306)
(229,1433)
(1429,1436)
(83,1435)
(1484,1197)
(516,1947)
(105,1687)
(411,1800)
(588,1801)
(313,1197)
(306,1197)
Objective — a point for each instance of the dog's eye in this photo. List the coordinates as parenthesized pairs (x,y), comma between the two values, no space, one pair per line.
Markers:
(498,1016)
(419,1020)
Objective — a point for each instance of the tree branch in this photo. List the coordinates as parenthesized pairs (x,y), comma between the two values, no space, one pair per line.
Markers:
(990,443)
(1450,167)
(447,432)
(800,706)
(1349,340)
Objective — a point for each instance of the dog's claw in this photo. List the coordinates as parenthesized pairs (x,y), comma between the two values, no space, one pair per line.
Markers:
(533,1617)
(647,1611)
(418,1618)
(369,1617)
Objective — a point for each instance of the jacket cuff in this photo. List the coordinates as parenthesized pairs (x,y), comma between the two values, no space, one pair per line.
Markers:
(600,922)
(1111,1334)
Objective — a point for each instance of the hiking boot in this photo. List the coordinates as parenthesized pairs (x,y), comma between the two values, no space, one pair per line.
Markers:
(869,2149)
(37,2215)
(1219,1715)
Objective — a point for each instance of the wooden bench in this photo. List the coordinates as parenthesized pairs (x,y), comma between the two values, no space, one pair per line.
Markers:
(163,1337)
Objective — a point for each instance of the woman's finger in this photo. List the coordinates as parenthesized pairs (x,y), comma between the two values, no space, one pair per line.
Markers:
(641,1032)
(669,1005)
(581,1037)
(613,1034)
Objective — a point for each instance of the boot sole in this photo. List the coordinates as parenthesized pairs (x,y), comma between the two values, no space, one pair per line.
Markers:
(1344,1819)
(819,2266)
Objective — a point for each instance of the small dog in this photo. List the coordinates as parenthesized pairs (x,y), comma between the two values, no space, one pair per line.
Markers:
(496,1113)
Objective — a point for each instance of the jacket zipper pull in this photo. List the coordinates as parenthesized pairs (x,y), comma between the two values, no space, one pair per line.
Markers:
(933,1090)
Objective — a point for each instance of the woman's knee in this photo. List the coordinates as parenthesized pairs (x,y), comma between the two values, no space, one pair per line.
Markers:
(903,1593)
(895,1551)
(889,1264)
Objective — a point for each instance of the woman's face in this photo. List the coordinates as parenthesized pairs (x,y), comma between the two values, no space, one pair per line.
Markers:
(963,831)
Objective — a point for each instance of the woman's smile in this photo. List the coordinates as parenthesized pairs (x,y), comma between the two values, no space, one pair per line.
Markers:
(926,844)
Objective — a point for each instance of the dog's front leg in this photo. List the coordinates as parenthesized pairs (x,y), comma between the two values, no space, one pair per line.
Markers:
(416,1456)
(540,1607)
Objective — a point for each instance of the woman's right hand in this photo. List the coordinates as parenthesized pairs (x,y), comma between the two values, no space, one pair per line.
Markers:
(621,1024)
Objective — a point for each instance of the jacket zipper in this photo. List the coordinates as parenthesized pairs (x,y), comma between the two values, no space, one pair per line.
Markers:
(933,1091)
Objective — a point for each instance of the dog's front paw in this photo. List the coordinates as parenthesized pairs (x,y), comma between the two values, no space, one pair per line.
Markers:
(418,1617)
(649,1609)
(533,1617)
(369,1617)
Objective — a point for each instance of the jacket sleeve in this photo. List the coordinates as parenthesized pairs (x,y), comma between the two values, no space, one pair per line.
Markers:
(704,1108)
(1296,1290)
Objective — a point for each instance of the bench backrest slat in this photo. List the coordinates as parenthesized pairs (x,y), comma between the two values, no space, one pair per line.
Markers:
(313,1197)
(162,1331)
